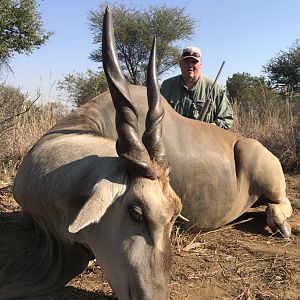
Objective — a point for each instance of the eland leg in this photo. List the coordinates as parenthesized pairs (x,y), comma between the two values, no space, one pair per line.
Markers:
(277,214)
(279,207)
(266,179)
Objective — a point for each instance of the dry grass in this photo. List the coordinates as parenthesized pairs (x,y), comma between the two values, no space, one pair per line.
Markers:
(275,125)
(26,129)
(29,127)
(261,268)
(7,202)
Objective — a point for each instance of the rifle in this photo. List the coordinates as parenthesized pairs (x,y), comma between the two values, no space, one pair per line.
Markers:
(208,100)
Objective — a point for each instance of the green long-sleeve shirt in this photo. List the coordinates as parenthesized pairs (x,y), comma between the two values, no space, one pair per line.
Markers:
(184,101)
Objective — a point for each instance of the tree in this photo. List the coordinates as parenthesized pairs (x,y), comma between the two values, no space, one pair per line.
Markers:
(83,87)
(134,31)
(283,71)
(20,28)
(251,94)
(240,85)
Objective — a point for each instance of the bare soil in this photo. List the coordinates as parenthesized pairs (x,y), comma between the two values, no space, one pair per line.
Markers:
(240,261)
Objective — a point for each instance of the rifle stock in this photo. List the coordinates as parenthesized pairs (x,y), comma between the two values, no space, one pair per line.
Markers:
(204,109)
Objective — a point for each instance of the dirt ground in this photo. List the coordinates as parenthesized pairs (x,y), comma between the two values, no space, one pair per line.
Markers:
(240,261)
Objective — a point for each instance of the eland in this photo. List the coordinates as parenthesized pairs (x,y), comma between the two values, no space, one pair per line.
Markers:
(87,199)
(88,196)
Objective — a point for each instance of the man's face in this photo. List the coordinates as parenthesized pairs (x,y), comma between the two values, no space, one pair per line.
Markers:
(190,69)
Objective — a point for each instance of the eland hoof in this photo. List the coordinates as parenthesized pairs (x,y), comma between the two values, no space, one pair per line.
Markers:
(284,229)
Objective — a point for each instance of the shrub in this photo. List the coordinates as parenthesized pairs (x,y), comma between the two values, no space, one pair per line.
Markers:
(28,128)
(11,102)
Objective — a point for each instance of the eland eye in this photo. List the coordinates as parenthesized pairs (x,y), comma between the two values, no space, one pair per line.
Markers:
(136,213)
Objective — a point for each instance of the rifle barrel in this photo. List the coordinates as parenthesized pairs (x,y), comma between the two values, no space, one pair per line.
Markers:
(208,100)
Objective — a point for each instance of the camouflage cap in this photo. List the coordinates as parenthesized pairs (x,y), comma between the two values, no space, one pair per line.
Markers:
(191,52)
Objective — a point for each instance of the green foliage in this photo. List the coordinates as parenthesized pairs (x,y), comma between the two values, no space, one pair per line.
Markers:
(20,28)
(283,71)
(83,87)
(243,87)
(134,31)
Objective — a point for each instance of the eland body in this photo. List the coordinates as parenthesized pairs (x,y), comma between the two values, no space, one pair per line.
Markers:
(217,174)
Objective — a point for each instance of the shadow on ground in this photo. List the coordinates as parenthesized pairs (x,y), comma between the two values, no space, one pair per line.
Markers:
(71,293)
(252,222)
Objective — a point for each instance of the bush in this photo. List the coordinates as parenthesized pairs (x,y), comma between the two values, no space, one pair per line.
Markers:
(27,128)
(11,102)
(83,87)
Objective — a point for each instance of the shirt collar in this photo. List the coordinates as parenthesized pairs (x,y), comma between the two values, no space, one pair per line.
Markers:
(184,86)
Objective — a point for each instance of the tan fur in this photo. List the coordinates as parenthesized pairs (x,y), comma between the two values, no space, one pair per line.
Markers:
(85,201)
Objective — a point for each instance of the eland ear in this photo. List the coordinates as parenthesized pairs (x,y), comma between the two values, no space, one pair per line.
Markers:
(103,195)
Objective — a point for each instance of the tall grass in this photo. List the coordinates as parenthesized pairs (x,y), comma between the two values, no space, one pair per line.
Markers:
(275,124)
(26,129)
(31,126)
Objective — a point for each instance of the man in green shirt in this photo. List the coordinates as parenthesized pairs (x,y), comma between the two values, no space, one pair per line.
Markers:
(187,92)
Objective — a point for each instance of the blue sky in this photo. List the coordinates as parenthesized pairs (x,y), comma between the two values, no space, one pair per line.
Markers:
(244,33)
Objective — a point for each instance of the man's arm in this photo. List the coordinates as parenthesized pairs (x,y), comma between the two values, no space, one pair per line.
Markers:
(223,112)
(165,90)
